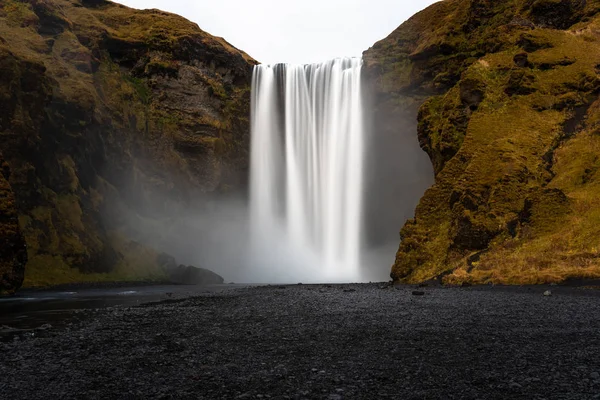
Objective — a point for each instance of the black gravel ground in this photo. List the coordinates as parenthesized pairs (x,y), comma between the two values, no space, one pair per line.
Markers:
(321,342)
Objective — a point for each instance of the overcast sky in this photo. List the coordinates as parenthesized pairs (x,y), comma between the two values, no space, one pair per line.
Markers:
(294,31)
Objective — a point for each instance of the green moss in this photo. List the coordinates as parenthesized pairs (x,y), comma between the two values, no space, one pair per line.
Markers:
(442,123)
(18,13)
(495,132)
(69,210)
(144,93)
(94,102)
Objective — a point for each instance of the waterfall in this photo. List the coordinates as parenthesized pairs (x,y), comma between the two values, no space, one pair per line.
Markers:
(307,169)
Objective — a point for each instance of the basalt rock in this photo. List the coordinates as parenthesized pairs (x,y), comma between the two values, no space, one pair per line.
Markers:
(505,98)
(110,116)
(186,275)
(190,275)
(13,251)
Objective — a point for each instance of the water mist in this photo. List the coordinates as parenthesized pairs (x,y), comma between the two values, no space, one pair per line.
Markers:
(333,179)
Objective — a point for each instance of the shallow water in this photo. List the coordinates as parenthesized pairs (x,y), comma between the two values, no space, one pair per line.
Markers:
(31,309)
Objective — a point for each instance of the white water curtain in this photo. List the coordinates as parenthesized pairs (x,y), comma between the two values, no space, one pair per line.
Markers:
(307,166)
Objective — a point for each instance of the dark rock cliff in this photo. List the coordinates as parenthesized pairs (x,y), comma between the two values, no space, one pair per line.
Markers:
(504,99)
(13,251)
(107,113)
(112,117)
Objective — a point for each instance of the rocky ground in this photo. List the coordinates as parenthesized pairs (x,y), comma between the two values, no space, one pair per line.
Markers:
(325,342)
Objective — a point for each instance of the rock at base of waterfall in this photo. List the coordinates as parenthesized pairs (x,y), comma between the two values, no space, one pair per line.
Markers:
(190,275)
(187,274)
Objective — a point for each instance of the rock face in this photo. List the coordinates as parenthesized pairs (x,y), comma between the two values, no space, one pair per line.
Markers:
(109,114)
(13,252)
(187,275)
(190,275)
(504,95)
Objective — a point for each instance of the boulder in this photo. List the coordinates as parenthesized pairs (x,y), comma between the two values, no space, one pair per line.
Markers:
(190,275)
(187,274)
(521,60)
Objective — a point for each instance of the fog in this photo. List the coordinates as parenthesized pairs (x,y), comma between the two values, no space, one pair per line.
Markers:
(216,235)
(214,231)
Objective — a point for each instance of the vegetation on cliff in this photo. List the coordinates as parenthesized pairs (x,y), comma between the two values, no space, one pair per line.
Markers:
(13,253)
(508,104)
(108,114)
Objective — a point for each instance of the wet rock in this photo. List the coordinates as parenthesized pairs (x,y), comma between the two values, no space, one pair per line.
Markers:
(187,275)
(166,261)
(190,275)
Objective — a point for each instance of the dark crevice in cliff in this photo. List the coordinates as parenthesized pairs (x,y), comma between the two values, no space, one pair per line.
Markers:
(571,127)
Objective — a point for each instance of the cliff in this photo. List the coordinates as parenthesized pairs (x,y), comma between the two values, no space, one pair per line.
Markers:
(108,115)
(505,99)
(13,254)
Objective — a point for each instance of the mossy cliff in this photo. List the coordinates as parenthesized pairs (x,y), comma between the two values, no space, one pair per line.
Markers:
(505,99)
(13,253)
(108,112)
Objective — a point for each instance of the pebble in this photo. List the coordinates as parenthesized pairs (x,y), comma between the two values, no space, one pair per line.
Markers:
(263,342)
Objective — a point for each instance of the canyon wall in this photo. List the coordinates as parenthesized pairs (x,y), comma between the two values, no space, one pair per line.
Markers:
(13,253)
(503,96)
(110,118)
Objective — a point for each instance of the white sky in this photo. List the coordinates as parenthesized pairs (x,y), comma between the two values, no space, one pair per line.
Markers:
(293,31)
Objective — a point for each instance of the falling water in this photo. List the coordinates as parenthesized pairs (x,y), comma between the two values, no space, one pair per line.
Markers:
(307,166)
